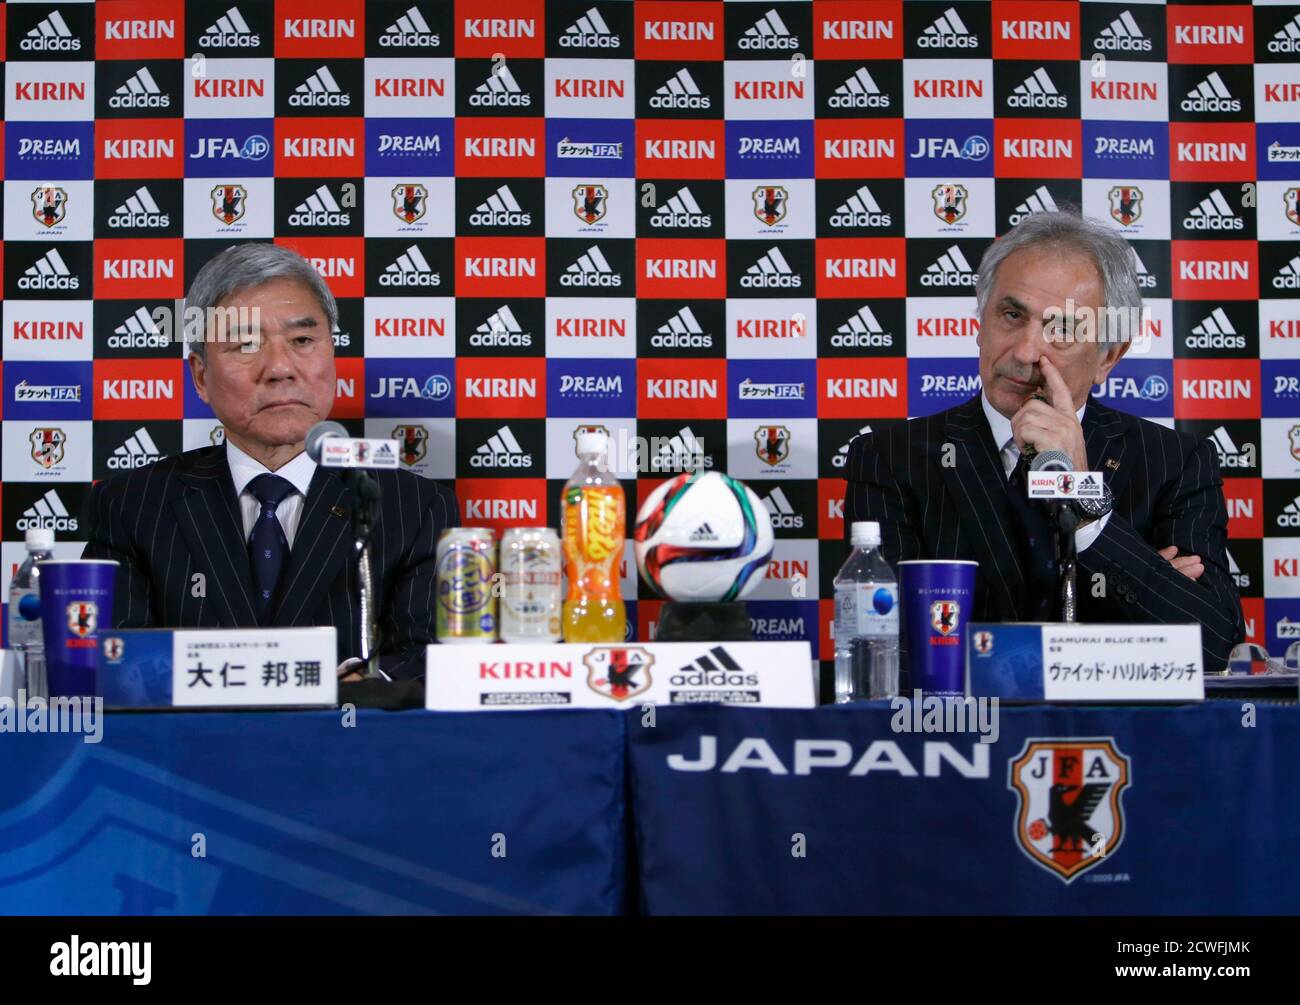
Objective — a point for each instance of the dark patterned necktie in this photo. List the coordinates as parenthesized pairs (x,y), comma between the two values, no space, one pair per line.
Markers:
(268,548)
(1035,537)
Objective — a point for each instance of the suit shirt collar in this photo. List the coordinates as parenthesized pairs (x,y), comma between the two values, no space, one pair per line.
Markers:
(243,469)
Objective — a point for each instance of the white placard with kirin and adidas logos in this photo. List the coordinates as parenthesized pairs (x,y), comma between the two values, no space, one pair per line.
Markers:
(464,678)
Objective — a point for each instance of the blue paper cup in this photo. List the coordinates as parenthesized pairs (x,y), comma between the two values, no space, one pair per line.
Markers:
(936,599)
(76,604)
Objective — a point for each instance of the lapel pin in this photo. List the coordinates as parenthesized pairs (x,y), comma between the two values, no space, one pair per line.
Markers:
(338,511)
(1113,464)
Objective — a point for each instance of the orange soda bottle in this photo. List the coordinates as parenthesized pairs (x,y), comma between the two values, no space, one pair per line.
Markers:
(593,535)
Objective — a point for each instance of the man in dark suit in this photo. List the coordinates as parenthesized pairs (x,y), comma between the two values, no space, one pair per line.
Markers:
(1059,306)
(254,532)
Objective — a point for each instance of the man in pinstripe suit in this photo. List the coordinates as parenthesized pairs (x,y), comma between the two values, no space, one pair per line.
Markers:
(951,485)
(253,532)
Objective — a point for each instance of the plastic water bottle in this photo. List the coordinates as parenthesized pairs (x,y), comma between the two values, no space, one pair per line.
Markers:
(866,620)
(25,636)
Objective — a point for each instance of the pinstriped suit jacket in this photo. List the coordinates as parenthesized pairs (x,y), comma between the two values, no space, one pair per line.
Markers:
(1167,491)
(179,516)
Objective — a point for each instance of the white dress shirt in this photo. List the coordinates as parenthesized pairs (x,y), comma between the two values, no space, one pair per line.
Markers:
(1001,427)
(298,472)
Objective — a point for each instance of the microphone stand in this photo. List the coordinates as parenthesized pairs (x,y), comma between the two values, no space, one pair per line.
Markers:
(1067,522)
(365,495)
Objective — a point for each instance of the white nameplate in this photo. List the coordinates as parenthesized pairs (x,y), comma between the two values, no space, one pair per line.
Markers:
(755,674)
(337,452)
(1065,485)
(1108,663)
(222,668)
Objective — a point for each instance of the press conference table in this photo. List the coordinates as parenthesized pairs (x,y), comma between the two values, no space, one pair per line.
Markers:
(590,812)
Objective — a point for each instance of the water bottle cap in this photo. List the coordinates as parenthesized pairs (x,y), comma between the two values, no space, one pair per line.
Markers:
(40,539)
(865,534)
(592,441)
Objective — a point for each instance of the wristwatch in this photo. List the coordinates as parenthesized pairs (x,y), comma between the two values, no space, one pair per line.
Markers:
(1095,509)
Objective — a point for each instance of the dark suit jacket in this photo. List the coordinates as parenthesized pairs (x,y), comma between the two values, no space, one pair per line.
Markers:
(179,516)
(1167,491)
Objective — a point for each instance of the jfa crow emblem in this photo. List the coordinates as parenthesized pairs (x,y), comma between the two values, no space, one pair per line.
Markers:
(1125,204)
(943,616)
(770,203)
(409,202)
(983,643)
(228,203)
(47,445)
(1070,817)
(950,202)
(1291,200)
(618,672)
(772,444)
(1294,436)
(413,440)
(83,618)
(590,202)
(49,205)
(113,649)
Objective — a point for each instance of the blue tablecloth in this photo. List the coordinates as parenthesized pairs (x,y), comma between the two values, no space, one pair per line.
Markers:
(411,812)
(1210,816)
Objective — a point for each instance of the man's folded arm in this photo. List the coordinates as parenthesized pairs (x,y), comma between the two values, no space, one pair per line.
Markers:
(408,624)
(875,493)
(1140,585)
(107,538)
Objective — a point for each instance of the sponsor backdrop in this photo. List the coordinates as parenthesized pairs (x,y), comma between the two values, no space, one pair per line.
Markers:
(739,234)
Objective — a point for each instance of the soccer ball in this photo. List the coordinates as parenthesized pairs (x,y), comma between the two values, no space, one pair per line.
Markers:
(703,538)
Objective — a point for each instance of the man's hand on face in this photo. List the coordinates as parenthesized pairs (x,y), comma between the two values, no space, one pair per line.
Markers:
(1190,566)
(1051,426)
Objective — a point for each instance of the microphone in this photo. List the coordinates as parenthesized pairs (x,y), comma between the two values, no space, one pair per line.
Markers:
(330,446)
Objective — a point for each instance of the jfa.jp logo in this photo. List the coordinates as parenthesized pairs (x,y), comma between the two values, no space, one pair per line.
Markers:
(1070,817)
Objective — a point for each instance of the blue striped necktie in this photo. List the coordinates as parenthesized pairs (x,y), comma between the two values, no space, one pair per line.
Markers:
(268,548)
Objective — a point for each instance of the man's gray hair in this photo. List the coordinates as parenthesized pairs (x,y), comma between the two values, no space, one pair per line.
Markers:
(245,266)
(1068,231)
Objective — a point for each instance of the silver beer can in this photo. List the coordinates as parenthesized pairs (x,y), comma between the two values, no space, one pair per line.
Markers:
(530,585)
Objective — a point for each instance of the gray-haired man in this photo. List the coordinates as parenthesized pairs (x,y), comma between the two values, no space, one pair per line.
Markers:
(1059,306)
(253,532)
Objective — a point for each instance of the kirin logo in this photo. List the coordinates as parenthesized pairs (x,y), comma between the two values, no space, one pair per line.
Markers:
(618,672)
(1070,817)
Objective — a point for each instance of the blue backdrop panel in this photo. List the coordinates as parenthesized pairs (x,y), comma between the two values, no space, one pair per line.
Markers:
(298,815)
(1209,818)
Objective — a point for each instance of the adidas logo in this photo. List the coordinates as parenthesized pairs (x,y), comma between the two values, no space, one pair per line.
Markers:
(681,210)
(320,209)
(1288,277)
(1213,213)
(501,209)
(139,210)
(47,513)
(770,272)
(138,331)
(1211,95)
(410,269)
(500,90)
(230,31)
(1144,278)
(1234,570)
(411,29)
(1287,38)
(951,269)
(1289,517)
(1123,35)
(768,32)
(841,457)
(501,329)
(680,91)
(591,270)
(1040,202)
(51,35)
(1230,455)
(702,534)
(501,450)
(681,331)
(948,32)
(140,90)
(862,331)
(717,668)
(859,91)
(589,32)
(1216,332)
(138,450)
(320,90)
(680,452)
(1037,91)
(860,210)
(49,272)
(783,514)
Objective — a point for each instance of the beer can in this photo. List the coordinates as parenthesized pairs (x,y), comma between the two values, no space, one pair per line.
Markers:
(530,585)
(467,608)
